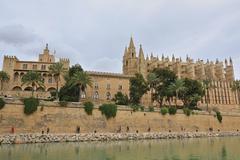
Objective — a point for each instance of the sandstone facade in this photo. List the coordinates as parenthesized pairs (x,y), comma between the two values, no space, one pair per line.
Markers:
(106,85)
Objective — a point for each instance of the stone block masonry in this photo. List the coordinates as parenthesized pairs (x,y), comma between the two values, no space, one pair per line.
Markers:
(55,138)
(67,119)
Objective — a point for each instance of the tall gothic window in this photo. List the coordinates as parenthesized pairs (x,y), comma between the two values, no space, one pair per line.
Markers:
(108,96)
(96,95)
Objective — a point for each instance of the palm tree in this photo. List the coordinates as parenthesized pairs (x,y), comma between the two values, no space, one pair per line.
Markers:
(57,69)
(34,79)
(81,79)
(236,87)
(177,87)
(4,77)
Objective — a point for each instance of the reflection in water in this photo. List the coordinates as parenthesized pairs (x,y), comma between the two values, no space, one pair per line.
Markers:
(224,153)
(187,149)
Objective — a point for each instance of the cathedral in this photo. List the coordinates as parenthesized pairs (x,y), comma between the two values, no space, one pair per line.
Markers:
(106,85)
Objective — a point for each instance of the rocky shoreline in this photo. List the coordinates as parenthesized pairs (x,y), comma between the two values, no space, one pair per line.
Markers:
(83,137)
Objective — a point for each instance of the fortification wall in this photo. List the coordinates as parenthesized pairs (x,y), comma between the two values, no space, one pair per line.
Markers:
(66,119)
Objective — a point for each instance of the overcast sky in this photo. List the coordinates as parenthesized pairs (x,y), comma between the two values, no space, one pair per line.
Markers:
(94,33)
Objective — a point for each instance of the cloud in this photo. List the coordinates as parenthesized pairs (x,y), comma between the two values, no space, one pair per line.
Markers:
(107,65)
(94,33)
(17,35)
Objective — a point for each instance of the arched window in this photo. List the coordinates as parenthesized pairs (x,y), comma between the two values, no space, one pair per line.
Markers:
(108,96)
(83,94)
(96,85)
(96,95)
(50,80)
(16,76)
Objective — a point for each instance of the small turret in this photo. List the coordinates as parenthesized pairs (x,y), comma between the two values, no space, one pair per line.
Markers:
(230,60)
(141,54)
(226,62)
(151,56)
(173,58)
(147,58)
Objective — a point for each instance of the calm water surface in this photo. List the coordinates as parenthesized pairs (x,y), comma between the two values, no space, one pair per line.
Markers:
(187,149)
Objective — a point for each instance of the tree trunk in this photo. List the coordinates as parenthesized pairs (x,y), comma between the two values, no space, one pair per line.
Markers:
(176,98)
(57,88)
(32,91)
(80,89)
(1,85)
(238,93)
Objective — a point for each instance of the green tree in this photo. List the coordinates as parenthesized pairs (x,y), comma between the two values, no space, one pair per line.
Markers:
(82,80)
(120,98)
(74,69)
(138,87)
(152,81)
(192,93)
(34,79)
(4,77)
(177,87)
(67,92)
(57,69)
(160,82)
(236,87)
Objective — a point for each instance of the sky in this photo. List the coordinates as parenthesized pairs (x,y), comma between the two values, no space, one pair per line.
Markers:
(94,33)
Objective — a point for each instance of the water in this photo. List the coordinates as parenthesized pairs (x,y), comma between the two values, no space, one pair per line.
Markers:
(188,149)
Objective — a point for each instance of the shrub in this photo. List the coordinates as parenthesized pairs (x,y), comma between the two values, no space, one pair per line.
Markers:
(2,103)
(219,116)
(62,103)
(109,110)
(88,107)
(141,108)
(151,109)
(120,98)
(187,111)
(172,110)
(135,107)
(30,105)
(164,110)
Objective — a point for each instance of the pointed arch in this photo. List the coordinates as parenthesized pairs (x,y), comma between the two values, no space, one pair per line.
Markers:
(28,89)
(51,89)
(40,89)
(17,88)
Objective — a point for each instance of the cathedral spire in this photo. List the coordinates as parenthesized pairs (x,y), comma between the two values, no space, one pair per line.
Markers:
(141,54)
(131,44)
(125,51)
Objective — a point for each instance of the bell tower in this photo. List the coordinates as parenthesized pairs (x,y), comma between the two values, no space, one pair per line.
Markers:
(130,60)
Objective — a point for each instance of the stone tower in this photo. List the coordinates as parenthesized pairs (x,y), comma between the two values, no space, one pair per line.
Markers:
(229,71)
(46,56)
(9,63)
(130,60)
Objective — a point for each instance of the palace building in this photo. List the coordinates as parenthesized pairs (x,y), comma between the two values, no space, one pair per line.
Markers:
(106,85)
